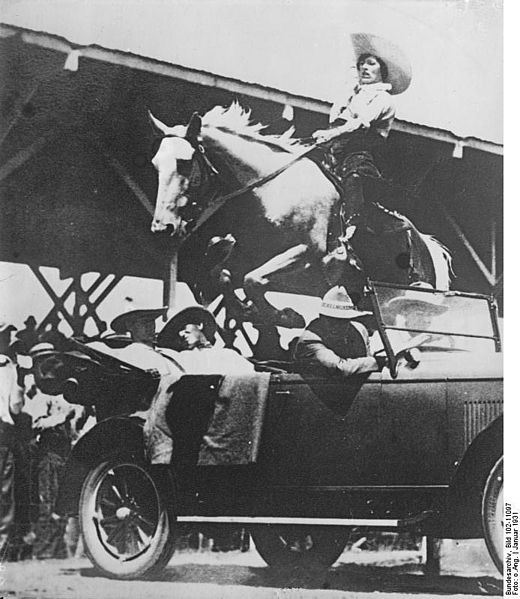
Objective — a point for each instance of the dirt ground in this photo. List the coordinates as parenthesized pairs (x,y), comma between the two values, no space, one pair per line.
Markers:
(234,575)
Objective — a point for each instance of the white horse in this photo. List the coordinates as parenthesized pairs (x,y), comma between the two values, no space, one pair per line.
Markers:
(222,162)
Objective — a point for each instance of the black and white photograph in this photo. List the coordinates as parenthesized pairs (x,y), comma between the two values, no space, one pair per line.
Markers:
(252,300)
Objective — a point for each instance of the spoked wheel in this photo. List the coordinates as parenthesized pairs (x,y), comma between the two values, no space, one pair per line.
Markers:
(493,514)
(293,546)
(127,526)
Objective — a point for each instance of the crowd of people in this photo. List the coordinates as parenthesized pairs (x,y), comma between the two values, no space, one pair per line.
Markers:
(36,435)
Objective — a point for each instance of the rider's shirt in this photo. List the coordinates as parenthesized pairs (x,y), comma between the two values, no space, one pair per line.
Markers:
(369,106)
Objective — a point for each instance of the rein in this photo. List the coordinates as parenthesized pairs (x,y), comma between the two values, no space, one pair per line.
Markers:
(219,202)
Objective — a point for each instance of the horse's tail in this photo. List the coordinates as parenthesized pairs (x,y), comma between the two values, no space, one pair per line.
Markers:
(442,261)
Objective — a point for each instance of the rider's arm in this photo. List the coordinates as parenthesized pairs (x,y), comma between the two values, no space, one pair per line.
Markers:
(335,111)
(379,107)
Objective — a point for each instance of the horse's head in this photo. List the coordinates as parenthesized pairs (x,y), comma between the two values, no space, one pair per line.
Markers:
(182,171)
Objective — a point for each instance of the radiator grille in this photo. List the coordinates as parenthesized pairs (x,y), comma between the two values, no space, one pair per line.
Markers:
(477,415)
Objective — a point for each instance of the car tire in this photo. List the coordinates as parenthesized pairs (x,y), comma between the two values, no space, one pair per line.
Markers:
(299,546)
(127,525)
(493,514)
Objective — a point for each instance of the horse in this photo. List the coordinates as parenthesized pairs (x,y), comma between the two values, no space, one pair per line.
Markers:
(283,211)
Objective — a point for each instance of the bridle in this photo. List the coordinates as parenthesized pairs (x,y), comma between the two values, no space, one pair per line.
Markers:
(204,179)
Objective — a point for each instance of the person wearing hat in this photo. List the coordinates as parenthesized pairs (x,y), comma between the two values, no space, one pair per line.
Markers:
(189,337)
(414,310)
(11,404)
(337,342)
(142,351)
(139,323)
(191,332)
(360,122)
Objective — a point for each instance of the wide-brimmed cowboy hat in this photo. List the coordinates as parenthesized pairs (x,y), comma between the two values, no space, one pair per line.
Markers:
(398,65)
(414,299)
(337,303)
(169,335)
(124,322)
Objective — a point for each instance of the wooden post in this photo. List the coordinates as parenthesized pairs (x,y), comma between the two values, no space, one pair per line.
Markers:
(494,249)
(21,157)
(432,566)
(18,113)
(125,175)
(170,281)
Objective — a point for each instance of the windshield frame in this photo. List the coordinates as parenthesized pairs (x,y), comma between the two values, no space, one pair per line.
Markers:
(382,327)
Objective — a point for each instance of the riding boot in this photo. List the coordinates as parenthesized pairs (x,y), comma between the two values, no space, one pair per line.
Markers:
(353,200)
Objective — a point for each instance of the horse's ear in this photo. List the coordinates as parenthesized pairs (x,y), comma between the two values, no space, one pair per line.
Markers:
(194,126)
(159,129)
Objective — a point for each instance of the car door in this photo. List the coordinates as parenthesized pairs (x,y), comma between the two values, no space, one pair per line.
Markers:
(413,431)
(321,432)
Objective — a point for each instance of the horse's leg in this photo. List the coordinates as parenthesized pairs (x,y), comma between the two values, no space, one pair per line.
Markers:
(257,282)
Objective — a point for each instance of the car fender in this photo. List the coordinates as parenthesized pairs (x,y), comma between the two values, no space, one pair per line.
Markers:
(461,516)
(110,436)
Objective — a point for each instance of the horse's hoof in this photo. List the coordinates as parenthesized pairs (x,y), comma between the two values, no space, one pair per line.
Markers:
(290,319)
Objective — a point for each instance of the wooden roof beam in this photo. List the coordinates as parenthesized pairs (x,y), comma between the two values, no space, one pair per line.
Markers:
(125,176)
(488,275)
(21,157)
(237,86)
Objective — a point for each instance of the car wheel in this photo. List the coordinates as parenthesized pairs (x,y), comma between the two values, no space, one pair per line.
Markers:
(493,514)
(292,546)
(126,524)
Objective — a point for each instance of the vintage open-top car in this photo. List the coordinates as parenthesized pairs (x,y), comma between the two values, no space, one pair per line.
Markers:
(415,447)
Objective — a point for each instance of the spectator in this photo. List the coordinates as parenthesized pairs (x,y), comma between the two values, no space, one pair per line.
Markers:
(337,342)
(56,424)
(11,403)
(414,310)
(190,335)
(141,351)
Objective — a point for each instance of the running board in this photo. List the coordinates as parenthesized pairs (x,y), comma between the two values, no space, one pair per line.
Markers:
(368,522)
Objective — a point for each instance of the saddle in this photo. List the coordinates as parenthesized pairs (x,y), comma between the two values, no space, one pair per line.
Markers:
(378,193)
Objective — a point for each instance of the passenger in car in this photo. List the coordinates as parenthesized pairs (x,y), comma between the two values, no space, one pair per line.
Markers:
(337,342)
(190,338)
(139,323)
(142,351)
(414,310)
(191,334)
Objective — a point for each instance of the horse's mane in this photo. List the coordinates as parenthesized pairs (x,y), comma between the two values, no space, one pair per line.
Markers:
(236,119)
